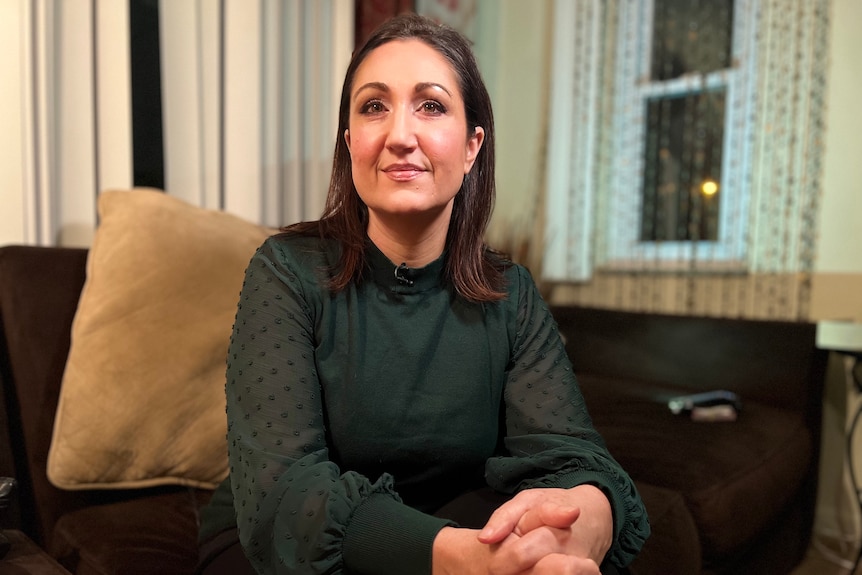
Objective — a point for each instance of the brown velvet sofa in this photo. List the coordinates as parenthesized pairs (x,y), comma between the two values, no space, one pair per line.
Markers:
(731,497)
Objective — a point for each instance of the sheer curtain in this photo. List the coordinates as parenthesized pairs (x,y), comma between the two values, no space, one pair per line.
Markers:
(703,191)
(249,91)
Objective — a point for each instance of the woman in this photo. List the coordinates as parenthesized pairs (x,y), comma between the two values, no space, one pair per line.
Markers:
(386,365)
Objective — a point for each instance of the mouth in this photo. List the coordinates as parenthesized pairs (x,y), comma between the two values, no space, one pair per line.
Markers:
(403,172)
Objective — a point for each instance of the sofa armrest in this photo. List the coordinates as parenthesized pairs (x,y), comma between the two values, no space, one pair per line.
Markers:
(39,292)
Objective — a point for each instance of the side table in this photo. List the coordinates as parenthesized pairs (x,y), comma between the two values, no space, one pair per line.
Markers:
(27,558)
(845,338)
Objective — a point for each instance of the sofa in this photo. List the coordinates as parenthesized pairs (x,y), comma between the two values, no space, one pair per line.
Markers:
(723,496)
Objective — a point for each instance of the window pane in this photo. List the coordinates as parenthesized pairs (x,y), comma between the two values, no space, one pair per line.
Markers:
(682,167)
(690,36)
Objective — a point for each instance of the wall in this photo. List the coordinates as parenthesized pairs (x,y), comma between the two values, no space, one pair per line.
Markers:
(513,56)
(838,279)
(837,287)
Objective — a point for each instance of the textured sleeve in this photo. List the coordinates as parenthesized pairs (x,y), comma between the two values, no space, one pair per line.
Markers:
(297,513)
(550,438)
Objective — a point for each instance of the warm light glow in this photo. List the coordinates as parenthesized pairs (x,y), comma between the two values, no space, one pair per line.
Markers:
(709,187)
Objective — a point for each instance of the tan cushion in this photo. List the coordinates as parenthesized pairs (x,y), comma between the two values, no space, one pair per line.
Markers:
(142,400)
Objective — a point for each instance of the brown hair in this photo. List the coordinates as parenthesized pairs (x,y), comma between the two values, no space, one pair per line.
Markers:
(474,270)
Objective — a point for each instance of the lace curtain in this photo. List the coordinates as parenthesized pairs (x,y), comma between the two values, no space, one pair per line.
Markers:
(707,170)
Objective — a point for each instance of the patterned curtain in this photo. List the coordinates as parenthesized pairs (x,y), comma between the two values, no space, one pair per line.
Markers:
(708,169)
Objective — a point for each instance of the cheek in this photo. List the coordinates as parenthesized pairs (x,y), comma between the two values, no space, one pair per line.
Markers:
(363,148)
(447,150)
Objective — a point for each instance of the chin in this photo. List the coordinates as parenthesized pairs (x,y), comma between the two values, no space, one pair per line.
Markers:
(412,210)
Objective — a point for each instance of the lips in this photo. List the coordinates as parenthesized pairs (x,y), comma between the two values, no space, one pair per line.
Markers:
(403,172)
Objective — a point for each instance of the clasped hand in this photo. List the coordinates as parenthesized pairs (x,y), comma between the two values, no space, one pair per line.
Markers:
(539,531)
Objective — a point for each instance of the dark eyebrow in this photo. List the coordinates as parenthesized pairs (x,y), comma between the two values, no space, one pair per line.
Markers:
(384,88)
(425,85)
(371,85)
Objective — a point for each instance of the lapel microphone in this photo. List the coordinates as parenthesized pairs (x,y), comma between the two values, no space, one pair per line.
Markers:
(401,275)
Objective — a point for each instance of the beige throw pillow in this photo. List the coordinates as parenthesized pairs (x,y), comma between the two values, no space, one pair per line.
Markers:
(142,400)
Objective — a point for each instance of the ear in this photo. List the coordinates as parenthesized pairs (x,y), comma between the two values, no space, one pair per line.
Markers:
(347,139)
(474,144)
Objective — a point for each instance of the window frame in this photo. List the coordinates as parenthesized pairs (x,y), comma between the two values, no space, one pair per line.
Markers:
(624,249)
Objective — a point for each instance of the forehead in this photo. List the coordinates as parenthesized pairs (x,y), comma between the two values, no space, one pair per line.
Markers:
(406,62)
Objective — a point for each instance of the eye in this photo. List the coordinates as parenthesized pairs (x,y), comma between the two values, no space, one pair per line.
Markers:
(372,107)
(432,107)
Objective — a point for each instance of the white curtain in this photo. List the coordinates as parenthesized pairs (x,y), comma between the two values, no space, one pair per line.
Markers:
(573,144)
(250,95)
(64,115)
(249,98)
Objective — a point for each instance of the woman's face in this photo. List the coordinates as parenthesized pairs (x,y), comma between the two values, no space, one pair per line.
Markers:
(407,134)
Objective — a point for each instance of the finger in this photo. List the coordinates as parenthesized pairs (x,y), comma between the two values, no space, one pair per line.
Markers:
(560,564)
(503,521)
(549,514)
(520,554)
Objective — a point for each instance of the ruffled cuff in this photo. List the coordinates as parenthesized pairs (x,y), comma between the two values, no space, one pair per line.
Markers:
(631,525)
(565,466)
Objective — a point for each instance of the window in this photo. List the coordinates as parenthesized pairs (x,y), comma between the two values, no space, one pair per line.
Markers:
(684,127)
(650,151)
(681,133)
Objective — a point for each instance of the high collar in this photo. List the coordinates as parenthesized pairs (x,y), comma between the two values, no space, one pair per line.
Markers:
(412,280)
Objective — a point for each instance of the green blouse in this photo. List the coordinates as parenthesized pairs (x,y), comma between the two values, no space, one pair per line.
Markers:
(353,416)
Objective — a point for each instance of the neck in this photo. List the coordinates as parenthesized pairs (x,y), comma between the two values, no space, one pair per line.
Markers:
(404,240)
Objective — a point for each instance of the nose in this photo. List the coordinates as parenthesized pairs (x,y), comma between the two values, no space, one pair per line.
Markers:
(402,130)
